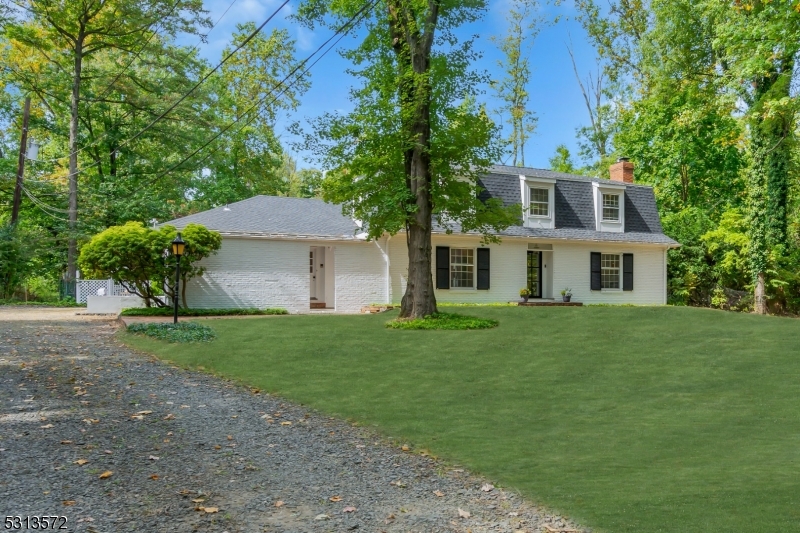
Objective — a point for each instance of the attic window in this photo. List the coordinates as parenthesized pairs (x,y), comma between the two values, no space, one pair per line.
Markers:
(610,207)
(540,202)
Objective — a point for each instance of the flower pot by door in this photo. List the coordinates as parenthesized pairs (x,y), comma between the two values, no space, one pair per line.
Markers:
(566,298)
(525,299)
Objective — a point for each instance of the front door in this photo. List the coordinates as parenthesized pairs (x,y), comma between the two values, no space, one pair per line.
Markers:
(535,273)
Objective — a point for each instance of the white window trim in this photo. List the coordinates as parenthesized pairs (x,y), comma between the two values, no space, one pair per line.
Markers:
(537,221)
(604,207)
(599,189)
(474,268)
(619,272)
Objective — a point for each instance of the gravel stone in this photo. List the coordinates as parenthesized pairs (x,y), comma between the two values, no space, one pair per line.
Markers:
(226,455)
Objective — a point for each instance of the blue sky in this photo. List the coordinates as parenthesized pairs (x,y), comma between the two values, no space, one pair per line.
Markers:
(554,93)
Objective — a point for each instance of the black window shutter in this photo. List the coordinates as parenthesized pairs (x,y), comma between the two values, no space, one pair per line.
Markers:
(442,267)
(483,269)
(627,272)
(595,272)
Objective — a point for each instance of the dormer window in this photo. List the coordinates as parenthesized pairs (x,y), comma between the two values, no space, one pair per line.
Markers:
(540,202)
(538,198)
(610,207)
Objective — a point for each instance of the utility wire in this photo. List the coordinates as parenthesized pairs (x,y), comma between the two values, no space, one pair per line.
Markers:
(129,112)
(344,28)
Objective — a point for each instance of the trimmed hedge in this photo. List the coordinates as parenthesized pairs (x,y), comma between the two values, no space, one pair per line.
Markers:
(54,303)
(443,321)
(168,311)
(180,332)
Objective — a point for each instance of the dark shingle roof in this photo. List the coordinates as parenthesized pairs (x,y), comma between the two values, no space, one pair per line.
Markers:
(276,215)
(574,207)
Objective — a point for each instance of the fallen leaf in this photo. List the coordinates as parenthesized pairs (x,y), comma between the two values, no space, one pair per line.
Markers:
(68,502)
(154,477)
(279,503)
(349,510)
(438,493)
(145,413)
(66,442)
(487,487)
(217,447)
(137,417)
(107,452)
(107,474)
(48,426)
(513,514)
(199,500)
(80,462)
(286,423)
(153,458)
(389,519)
(322,516)
(169,417)
(335,498)
(230,437)
(463,514)
(211,509)
(405,447)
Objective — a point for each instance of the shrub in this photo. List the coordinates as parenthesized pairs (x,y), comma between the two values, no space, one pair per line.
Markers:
(180,332)
(168,311)
(443,321)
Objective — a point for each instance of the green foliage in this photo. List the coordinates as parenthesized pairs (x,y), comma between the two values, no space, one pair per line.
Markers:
(443,321)
(728,244)
(167,311)
(690,271)
(562,161)
(180,332)
(13,260)
(139,258)
(523,25)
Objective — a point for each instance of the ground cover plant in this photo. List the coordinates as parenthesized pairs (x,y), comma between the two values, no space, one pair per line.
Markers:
(168,311)
(629,419)
(442,321)
(180,332)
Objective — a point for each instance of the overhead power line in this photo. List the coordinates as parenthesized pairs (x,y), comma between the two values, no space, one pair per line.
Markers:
(343,28)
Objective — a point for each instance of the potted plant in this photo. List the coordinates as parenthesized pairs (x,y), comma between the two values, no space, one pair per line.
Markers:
(525,294)
(566,294)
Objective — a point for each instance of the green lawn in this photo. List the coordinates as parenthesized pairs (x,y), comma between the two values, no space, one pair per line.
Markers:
(627,419)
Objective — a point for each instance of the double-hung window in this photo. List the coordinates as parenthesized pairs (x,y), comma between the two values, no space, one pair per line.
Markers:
(609,271)
(539,202)
(610,207)
(462,267)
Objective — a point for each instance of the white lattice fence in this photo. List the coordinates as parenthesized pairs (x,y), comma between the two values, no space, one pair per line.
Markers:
(92,287)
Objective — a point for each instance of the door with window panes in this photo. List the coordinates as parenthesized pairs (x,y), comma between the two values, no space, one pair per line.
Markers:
(535,273)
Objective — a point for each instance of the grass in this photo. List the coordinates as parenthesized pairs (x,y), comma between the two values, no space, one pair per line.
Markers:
(169,311)
(629,419)
(443,321)
(180,332)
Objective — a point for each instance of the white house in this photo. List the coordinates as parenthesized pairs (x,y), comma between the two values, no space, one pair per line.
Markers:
(601,238)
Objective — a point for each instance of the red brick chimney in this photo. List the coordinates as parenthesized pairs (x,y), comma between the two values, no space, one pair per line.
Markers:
(622,170)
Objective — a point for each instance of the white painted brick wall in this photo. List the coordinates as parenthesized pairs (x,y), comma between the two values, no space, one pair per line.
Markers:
(570,264)
(274,273)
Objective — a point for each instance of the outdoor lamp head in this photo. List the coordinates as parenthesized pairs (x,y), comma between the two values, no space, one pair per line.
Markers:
(178,246)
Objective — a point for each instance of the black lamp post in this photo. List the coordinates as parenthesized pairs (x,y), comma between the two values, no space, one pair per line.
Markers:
(177,250)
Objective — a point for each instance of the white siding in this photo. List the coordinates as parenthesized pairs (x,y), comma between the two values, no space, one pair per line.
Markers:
(274,273)
(569,267)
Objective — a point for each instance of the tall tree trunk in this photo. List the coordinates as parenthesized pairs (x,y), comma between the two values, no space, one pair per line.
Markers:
(72,246)
(771,153)
(412,47)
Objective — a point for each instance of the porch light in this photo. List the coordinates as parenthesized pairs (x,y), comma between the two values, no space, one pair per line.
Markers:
(177,250)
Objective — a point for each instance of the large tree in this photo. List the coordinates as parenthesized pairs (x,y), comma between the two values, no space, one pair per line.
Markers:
(66,33)
(411,151)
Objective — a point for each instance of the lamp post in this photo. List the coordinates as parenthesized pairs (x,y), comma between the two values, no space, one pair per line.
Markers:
(177,250)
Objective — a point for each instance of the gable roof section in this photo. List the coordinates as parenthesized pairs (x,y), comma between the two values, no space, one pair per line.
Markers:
(276,215)
(282,216)
(574,207)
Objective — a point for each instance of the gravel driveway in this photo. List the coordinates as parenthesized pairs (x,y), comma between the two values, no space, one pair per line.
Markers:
(117,441)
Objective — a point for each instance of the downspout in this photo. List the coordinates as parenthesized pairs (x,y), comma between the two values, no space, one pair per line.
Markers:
(388,273)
